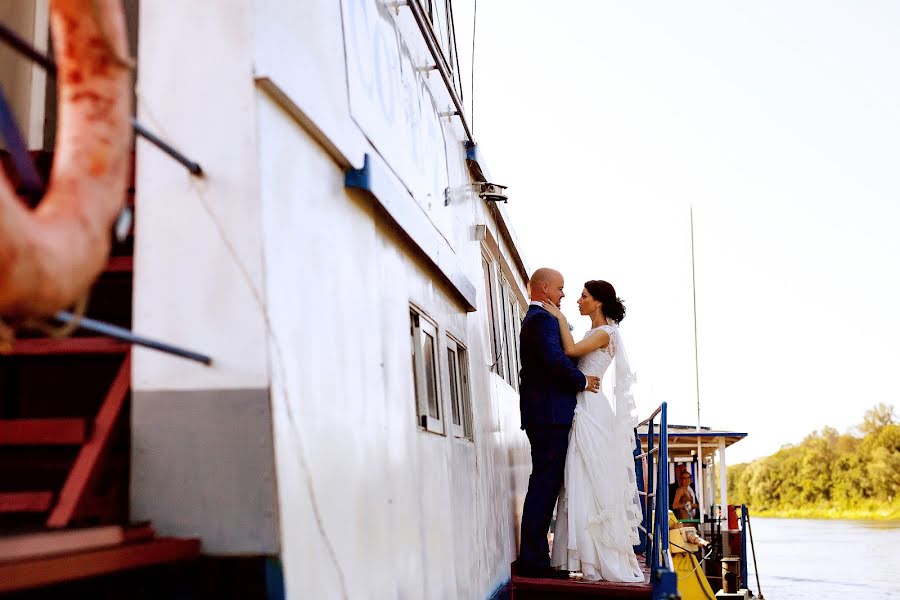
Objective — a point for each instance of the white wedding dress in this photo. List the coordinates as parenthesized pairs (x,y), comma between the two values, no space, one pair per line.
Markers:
(598,511)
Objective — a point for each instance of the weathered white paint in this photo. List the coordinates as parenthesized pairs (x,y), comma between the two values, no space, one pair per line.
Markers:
(301,43)
(198,249)
(368,504)
(202,454)
(392,103)
(408,513)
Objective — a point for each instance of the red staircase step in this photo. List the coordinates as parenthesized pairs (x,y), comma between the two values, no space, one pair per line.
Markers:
(43,544)
(26,574)
(17,502)
(90,459)
(30,432)
(72,345)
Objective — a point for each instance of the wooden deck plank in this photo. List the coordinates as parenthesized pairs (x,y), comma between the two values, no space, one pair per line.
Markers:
(31,432)
(528,588)
(23,575)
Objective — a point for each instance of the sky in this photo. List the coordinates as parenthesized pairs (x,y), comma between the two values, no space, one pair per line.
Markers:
(778,124)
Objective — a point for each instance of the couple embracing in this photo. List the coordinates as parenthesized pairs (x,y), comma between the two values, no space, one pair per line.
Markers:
(581,445)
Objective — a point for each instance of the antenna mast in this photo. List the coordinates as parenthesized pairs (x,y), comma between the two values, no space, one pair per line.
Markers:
(700,461)
(694,290)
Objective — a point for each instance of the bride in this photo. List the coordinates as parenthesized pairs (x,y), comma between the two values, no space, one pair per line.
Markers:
(598,509)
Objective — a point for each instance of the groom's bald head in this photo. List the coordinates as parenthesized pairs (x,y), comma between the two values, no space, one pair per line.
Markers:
(546,284)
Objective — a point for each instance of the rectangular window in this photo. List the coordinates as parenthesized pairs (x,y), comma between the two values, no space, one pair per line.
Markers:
(512,323)
(493,340)
(423,334)
(504,329)
(504,312)
(461,406)
(515,319)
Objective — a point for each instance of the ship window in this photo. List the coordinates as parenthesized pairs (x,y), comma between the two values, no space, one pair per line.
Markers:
(515,319)
(503,311)
(461,406)
(493,331)
(423,337)
(512,322)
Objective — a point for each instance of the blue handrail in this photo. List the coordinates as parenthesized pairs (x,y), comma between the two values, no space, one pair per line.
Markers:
(655,524)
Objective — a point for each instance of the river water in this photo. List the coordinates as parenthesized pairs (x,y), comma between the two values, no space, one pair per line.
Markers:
(808,559)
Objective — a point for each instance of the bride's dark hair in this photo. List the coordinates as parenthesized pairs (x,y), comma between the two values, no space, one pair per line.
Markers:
(604,292)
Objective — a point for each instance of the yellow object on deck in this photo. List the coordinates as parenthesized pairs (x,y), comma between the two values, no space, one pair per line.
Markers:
(692,583)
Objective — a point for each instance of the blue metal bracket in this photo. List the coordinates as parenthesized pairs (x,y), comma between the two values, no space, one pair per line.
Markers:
(376,179)
(665,586)
(274,579)
(30,182)
(477,168)
(360,179)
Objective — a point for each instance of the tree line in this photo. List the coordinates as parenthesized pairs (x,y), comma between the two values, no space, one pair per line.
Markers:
(828,474)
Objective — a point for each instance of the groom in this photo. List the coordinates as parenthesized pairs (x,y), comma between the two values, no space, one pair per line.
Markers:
(549,383)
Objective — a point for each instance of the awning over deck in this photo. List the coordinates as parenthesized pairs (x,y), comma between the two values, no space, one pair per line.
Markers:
(683,439)
(685,443)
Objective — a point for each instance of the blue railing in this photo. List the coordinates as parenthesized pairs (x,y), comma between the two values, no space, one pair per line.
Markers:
(654,494)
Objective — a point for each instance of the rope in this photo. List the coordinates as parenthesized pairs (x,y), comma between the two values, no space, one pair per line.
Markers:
(9,329)
(698,563)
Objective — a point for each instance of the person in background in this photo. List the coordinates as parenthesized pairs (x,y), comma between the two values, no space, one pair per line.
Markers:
(685,502)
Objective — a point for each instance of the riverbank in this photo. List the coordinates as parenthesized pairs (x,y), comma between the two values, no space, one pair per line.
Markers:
(872,512)
(829,475)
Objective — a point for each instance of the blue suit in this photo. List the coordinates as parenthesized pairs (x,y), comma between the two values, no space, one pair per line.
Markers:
(549,382)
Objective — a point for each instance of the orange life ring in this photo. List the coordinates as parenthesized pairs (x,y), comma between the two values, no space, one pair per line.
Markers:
(50,256)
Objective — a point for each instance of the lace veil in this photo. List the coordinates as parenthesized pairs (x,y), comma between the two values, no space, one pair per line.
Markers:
(624,424)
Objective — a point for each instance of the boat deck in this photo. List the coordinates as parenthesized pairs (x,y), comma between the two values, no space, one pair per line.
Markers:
(531,588)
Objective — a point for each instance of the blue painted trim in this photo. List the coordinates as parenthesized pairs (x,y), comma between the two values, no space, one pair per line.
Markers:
(639,480)
(376,179)
(502,592)
(360,179)
(274,579)
(471,150)
(663,581)
(30,181)
(665,585)
(477,167)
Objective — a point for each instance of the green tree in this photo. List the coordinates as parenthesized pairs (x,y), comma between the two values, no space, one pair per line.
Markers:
(828,473)
(876,418)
